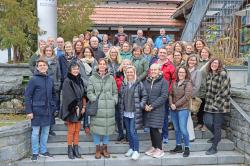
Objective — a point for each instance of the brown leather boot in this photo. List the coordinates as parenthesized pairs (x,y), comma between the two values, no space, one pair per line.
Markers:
(105,152)
(98,152)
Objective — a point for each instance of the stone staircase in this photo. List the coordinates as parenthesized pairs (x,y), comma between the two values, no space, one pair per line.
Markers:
(57,145)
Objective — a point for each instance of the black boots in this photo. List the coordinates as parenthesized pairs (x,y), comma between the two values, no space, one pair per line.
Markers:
(186,152)
(70,152)
(212,150)
(177,149)
(73,152)
(76,151)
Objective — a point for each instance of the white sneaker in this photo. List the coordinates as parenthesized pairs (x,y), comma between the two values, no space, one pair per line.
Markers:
(158,153)
(135,155)
(150,151)
(129,153)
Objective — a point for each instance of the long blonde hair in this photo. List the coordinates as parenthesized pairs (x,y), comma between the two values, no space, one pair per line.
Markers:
(118,57)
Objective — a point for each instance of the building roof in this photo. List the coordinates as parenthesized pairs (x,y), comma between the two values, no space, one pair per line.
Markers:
(134,14)
(185,6)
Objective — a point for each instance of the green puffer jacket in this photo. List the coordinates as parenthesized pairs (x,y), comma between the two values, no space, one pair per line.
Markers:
(103,123)
(141,66)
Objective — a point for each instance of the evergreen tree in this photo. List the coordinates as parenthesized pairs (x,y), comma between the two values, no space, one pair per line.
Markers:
(74,17)
(18,24)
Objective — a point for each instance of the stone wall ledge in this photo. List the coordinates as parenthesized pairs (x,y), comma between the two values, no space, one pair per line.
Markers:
(19,65)
(241,92)
(16,129)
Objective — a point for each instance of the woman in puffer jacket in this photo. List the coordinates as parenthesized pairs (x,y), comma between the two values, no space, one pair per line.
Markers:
(157,89)
(133,98)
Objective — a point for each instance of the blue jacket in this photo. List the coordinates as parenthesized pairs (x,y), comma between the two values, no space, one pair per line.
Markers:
(158,41)
(40,99)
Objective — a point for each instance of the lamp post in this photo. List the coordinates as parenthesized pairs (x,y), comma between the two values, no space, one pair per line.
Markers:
(47,18)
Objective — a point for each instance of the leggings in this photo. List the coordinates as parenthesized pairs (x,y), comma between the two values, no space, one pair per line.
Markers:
(156,138)
(73,132)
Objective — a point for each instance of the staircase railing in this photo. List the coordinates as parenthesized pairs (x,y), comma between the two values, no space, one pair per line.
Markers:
(240,110)
(194,20)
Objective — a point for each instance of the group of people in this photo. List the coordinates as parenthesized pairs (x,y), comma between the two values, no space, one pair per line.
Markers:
(136,85)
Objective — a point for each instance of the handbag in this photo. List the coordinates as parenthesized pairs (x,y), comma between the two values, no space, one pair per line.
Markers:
(195,104)
(92,107)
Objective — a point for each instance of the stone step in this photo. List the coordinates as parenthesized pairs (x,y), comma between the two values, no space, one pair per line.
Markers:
(61,136)
(195,158)
(119,148)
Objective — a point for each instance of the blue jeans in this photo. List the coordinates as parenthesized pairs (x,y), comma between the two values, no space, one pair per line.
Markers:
(43,139)
(97,139)
(132,133)
(164,133)
(180,119)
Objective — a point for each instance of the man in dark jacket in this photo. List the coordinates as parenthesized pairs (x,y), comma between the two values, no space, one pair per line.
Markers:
(120,36)
(94,45)
(140,40)
(40,104)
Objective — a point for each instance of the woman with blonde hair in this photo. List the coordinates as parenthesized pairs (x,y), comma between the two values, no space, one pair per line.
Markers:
(87,36)
(133,98)
(55,74)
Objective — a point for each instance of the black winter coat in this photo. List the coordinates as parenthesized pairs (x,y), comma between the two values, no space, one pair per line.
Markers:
(40,99)
(73,91)
(140,98)
(157,97)
(63,67)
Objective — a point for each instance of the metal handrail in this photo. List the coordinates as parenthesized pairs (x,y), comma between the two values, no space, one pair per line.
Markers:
(240,110)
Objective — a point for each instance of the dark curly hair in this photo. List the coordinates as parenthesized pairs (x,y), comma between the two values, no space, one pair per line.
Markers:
(220,67)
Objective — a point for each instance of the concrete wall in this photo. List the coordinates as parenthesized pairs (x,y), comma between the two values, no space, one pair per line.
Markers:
(14,142)
(238,129)
(238,75)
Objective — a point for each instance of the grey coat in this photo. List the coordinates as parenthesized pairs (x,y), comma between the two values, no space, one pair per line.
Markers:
(140,98)
(54,72)
(84,75)
(157,97)
(203,68)
(196,77)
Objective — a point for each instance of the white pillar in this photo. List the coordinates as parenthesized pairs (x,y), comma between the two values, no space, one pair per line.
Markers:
(47,18)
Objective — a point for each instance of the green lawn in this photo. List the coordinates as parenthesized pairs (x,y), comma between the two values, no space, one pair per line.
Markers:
(10,119)
(6,123)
